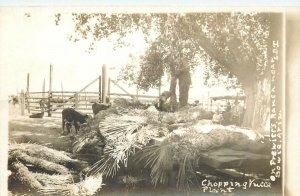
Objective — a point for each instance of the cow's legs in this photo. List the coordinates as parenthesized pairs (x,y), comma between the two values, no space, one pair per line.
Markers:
(77,126)
(68,125)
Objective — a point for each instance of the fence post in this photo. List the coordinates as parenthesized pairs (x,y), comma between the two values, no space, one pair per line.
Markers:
(104,83)
(100,93)
(22,102)
(27,94)
(76,101)
(50,91)
(49,103)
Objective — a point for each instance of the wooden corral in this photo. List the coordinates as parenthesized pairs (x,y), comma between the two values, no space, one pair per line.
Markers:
(53,102)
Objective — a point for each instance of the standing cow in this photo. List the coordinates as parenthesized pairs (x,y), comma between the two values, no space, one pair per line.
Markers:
(72,117)
(97,107)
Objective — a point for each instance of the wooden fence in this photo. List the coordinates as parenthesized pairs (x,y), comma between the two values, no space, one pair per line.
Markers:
(56,101)
(53,102)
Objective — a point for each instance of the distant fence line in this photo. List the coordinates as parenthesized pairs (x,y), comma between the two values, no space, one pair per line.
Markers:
(56,101)
(53,102)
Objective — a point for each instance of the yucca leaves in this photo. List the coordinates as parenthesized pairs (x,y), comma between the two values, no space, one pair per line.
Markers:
(124,135)
(128,138)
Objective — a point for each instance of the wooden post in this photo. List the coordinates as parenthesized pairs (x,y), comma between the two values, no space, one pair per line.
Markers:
(76,101)
(22,102)
(100,93)
(50,91)
(27,93)
(104,83)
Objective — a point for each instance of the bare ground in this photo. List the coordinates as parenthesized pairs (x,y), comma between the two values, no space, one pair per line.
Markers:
(45,131)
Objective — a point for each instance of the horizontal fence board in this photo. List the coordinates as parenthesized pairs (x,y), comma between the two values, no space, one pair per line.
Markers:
(74,92)
(88,97)
(36,102)
(46,92)
(63,96)
(132,95)
(33,106)
(62,104)
(63,92)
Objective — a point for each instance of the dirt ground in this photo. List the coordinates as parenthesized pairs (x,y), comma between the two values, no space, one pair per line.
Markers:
(45,131)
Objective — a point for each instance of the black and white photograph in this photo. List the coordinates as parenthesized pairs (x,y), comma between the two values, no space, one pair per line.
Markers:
(130,101)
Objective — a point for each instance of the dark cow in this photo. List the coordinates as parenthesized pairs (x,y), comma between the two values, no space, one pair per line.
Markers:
(97,107)
(72,117)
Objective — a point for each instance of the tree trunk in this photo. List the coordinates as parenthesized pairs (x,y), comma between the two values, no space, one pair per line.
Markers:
(184,80)
(258,94)
(173,98)
(257,114)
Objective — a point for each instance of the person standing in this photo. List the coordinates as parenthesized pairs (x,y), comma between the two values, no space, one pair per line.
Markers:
(237,113)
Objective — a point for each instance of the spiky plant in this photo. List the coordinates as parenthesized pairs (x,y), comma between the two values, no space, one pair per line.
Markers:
(124,134)
(171,156)
(159,159)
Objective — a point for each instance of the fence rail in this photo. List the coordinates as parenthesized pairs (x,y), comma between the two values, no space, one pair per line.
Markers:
(56,101)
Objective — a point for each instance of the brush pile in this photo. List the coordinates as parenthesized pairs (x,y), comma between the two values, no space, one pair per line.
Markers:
(163,142)
(46,171)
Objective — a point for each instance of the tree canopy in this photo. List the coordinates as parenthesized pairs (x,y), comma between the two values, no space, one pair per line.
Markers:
(227,43)
(231,44)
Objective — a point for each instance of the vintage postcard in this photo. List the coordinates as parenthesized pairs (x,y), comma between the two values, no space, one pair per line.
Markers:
(144,101)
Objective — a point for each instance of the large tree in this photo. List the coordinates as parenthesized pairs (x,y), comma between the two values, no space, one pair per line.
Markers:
(230,44)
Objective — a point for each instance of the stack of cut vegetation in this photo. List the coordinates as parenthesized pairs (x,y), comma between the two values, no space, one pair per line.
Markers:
(92,136)
(124,135)
(129,137)
(48,171)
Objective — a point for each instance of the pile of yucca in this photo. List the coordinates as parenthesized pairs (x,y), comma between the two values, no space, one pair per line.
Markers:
(49,171)
(164,142)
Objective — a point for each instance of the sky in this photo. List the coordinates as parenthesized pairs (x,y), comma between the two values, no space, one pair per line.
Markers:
(31,44)
(30,41)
